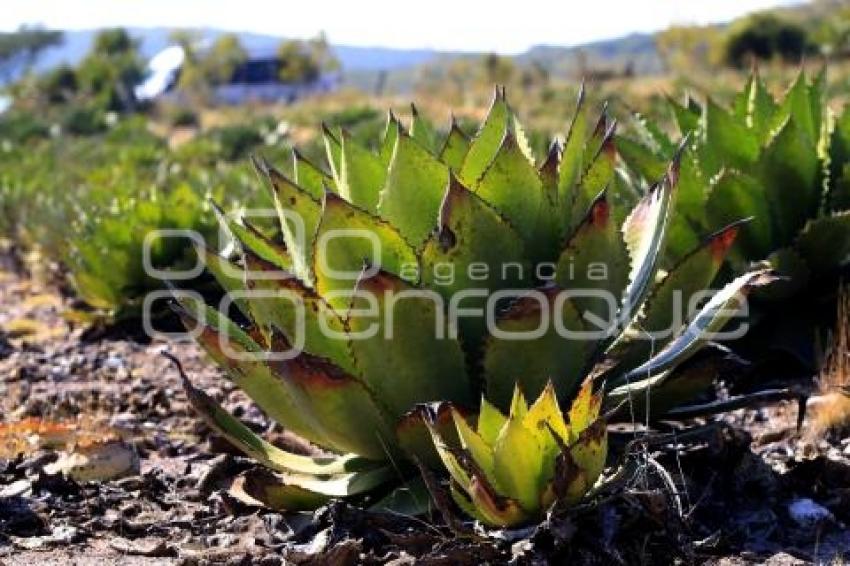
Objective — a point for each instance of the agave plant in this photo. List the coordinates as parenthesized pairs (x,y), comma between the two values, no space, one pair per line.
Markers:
(511,469)
(515,235)
(783,163)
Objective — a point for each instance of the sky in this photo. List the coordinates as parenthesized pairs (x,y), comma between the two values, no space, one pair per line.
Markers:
(464,25)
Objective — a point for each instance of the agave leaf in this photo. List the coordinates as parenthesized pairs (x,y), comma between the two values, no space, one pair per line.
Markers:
(346,238)
(825,242)
(493,508)
(573,158)
(422,131)
(490,422)
(760,108)
(333,152)
(299,215)
(480,452)
(388,143)
(707,322)
(471,232)
(532,362)
(667,307)
(595,259)
(790,172)
(518,463)
(485,145)
(673,388)
(344,485)
(588,453)
(287,304)
(584,410)
(455,148)
(737,195)
(687,225)
(644,233)
(248,237)
(838,197)
(641,159)
(230,276)
(336,399)
(449,458)
(687,117)
(409,325)
(798,106)
(362,175)
(267,454)
(512,186)
(414,189)
(731,144)
(308,176)
(465,504)
(306,394)
(413,431)
(598,175)
(652,135)
(221,338)
(261,487)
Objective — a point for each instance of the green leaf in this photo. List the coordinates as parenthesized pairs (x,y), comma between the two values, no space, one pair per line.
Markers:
(521,357)
(388,143)
(414,189)
(261,487)
(518,462)
(422,131)
(511,185)
(486,143)
(760,108)
(229,276)
(838,197)
(299,214)
(644,233)
(475,249)
(825,242)
(455,148)
(346,238)
(735,196)
(667,307)
(309,177)
(286,304)
(727,142)
(267,454)
(595,259)
(641,159)
(333,151)
(798,106)
(362,175)
(573,158)
(407,325)
(598,175)
(687,117)
(705,324)
(791,174)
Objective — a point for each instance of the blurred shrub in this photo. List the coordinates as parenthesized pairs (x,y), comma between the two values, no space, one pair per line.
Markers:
(22,126)
(84,121)
(766,36)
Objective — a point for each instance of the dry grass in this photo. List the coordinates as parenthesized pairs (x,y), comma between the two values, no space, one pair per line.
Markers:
(830,409)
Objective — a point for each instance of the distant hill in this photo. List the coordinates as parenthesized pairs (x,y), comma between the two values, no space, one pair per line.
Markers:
(77,43)
(363,65)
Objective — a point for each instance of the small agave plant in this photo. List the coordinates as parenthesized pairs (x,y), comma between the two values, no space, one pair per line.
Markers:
(506,227)
(509,470)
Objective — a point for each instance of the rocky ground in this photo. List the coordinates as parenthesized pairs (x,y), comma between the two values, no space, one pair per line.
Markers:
(748,489)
